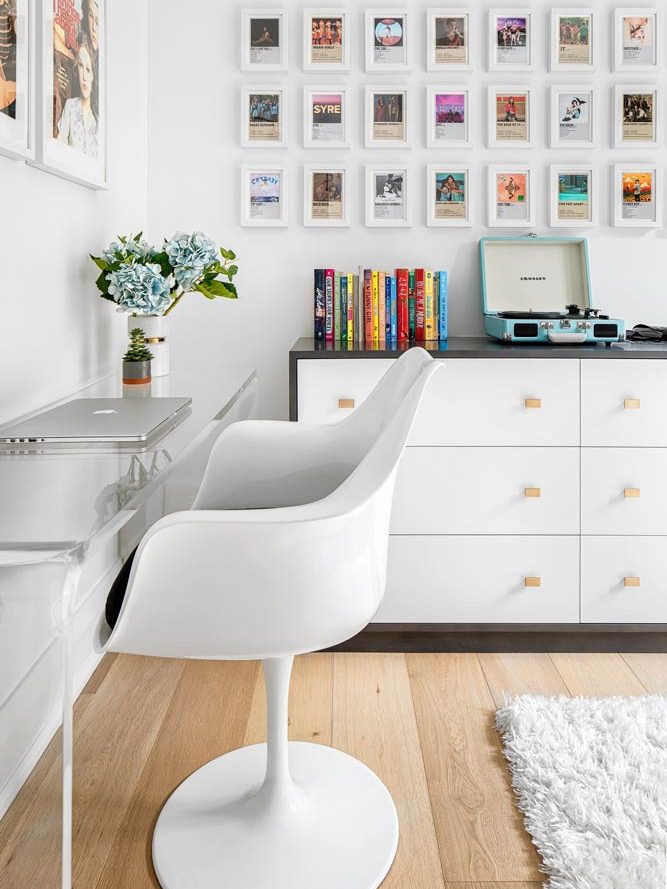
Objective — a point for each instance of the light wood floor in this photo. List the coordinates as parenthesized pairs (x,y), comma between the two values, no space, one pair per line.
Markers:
(423,722)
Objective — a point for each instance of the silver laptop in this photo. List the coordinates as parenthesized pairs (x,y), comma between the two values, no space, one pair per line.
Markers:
(98,420)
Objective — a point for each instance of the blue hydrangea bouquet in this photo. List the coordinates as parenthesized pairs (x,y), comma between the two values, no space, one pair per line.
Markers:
(143,280)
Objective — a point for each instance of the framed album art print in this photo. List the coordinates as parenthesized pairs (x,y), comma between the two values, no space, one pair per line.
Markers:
(573,116)
(510,117)
(264,196)
(636,115)
(572,196)
(326,115)
(386,39)
(635,196)
(572,40)
(387,195)
(326,39)
(447,117)
(511,196)
(325,195)
(387,116)
(264,40)
(263,117)
(637,39)
(17,79)
(447,195)
(510,40)
(448,39)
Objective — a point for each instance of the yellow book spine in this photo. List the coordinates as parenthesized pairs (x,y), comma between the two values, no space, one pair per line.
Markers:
(375,295)
(381,305)
(429,307)
(350,308)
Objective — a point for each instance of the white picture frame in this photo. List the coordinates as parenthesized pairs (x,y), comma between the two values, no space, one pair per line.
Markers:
(573,116)
(444,127)
(383,213)
(625,213)
(259,129)
(448,213)
(508,49)
(630,51)
(331,215)
(510,95)
(326,132)
(628,133)
(567,207)
(262,32)
(77,153)
(501,213)
(445,57)
(389,133)
(566,56)
(253,213)
(383,54)
(17,88)
(332,54)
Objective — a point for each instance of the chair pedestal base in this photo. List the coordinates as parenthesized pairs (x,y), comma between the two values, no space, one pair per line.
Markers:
(334,828)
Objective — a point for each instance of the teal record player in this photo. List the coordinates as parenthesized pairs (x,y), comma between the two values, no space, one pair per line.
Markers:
(538,290)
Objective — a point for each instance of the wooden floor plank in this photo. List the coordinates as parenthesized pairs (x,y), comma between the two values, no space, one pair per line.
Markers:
(650,669)
(310,702)
(374,720)
(521,674)
(480,833)
(100,673)
(207,717)
(597,675)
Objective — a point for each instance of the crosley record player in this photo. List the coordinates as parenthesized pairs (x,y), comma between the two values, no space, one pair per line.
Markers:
(538,290)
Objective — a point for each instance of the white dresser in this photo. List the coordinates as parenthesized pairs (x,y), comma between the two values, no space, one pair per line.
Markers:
(533,494)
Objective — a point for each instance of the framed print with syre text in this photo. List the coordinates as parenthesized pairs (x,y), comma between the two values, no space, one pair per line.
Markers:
(326,115)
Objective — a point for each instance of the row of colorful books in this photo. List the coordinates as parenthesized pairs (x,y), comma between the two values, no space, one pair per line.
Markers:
(375,306)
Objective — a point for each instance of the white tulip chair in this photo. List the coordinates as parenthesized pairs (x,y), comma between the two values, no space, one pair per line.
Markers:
(284,552)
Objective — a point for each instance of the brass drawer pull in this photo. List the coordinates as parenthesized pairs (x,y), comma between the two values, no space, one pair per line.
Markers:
(532,492)
(631,492)
(532,581)
(631,404)
(532,402)
(631,581)
(346,403)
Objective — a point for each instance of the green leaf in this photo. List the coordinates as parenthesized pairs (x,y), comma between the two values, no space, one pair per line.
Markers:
(99,262)
(212,288)
(232,270)
(102,283)
(227,254)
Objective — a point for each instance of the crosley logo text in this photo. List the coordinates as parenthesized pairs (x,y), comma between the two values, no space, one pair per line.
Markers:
(533,278)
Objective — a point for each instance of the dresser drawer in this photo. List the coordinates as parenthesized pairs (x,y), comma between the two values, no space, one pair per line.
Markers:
(624,403)
(624,580)
(497,401)
(482,580)
(329,388)
(624,491)
(487,491)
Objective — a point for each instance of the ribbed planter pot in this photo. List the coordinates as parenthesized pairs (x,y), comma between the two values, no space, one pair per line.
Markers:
(155,337)
(136,373)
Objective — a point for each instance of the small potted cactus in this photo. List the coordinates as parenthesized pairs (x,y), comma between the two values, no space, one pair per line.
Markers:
(137,359)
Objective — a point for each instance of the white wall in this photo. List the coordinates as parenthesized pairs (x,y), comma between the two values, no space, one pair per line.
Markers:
(194,161)
(56,333)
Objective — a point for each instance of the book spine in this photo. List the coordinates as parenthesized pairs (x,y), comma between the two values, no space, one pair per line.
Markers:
(359,306)
(402,289)
(419,304)
(337,307)
(442,306)
(375,293)
(412,323)
(393,308)
(329,302)
(342,284)
(382,305)
(368,305)
(429,309)
(349,285)
(320,311)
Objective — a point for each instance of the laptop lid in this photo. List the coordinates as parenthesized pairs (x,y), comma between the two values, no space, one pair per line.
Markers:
(97,420)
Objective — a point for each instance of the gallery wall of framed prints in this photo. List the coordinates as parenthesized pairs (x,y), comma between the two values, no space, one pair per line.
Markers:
(453,92)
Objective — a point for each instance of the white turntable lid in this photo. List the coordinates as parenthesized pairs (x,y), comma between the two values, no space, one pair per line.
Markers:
(538,274)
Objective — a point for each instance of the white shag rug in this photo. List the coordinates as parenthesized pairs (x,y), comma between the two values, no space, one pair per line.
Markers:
(590,775)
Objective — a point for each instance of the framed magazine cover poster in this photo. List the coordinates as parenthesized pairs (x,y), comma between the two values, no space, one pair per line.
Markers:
(573,117)
(326,115)
(73,116)
(264,196)
(510,40)
(326,200)
(326,39)
(510,117)
(386,39)
(17,68)
(447,116)
(635,196)
(387,196)
(387,116)
(448,39)
(636,115)
(572,196)
(637,39)
(264,40)
(511,191)
(447,195)
(572,40)
(263,117)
